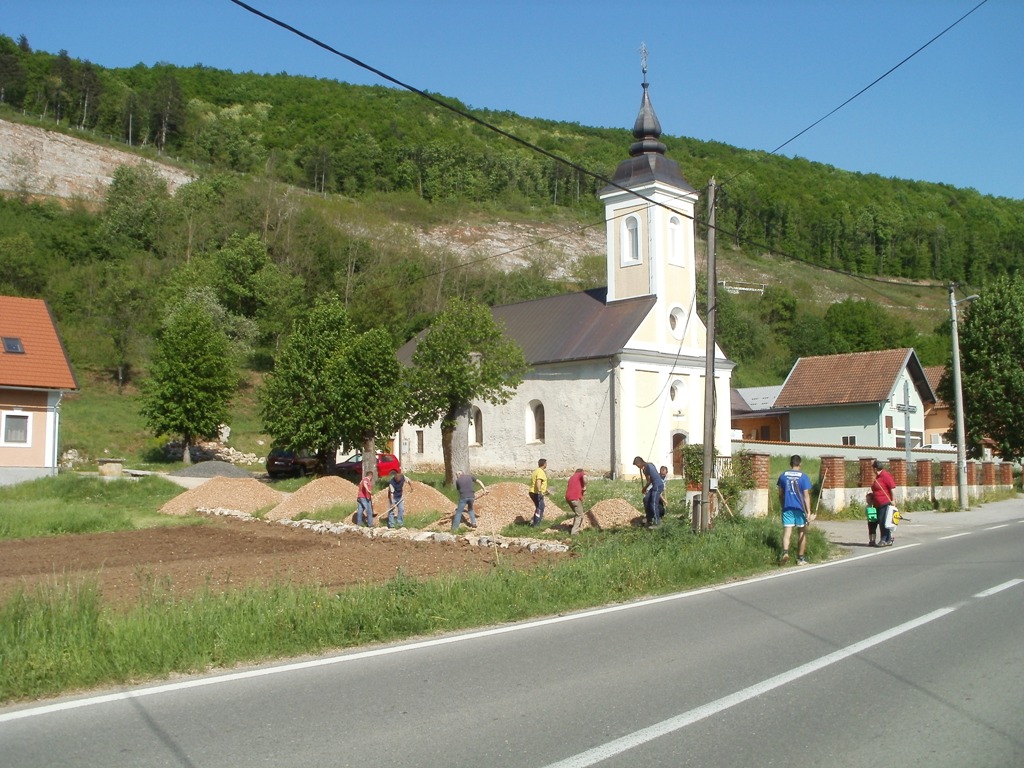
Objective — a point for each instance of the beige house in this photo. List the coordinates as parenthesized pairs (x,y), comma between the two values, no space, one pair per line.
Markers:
(616,372)
(34,375)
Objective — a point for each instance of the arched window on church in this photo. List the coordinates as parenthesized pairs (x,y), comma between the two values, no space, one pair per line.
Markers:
(476,421)
(631,240)
(535,423)
(675,244)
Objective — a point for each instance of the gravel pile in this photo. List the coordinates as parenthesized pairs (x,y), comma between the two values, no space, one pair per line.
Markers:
(611,513)
(211,469)
(245,495)
(322,493)
(501,505)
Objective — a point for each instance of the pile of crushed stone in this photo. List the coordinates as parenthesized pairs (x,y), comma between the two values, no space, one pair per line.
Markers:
(316,495)
(211,469)
(247,495)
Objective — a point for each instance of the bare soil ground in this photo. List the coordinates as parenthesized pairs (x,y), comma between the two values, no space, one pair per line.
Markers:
(226,553)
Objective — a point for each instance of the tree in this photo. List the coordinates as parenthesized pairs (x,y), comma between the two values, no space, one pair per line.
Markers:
(191,376)
(331,386)
(372,392)
(464,356)
(992,369)
(300,400)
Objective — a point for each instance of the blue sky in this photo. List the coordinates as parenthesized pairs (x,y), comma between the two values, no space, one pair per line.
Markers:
(751,73)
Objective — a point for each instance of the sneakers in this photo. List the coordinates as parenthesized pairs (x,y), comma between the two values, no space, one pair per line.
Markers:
(801,560)
(784,559)
(871,543)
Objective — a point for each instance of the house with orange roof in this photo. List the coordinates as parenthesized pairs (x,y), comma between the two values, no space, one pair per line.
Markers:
(938,421)
(861,398)
(34,375)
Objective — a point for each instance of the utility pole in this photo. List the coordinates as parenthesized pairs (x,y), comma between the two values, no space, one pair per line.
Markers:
(907,409)
(963,498)
(709,371)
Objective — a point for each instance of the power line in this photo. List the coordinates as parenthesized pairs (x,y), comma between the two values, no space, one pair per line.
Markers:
(581,169)
(867,87)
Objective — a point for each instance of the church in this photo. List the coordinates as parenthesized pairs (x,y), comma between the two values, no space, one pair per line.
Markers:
(615,372)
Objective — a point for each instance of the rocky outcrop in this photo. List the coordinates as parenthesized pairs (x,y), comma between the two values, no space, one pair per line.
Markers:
(34,161)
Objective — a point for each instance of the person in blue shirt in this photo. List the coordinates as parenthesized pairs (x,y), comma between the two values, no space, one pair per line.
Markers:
(795,500)
(654,486)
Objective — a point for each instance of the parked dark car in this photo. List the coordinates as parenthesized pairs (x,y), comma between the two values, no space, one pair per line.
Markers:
(285,463)
(353,465)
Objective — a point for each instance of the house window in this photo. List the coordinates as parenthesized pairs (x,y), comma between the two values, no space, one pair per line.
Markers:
(476,420)
(766,433)
(631,240)
(15,428)
(849,439)
(535,423)
(13,345)
(419,441)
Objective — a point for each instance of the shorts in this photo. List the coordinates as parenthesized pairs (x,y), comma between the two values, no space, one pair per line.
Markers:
(791,517)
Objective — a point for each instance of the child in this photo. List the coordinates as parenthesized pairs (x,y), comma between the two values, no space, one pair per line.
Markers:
(872,515)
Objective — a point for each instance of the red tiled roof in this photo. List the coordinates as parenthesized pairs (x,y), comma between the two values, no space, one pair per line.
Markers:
(933,373)
(44,363)
(857,377)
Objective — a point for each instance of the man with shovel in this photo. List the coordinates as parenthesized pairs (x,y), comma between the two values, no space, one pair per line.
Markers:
(396,497)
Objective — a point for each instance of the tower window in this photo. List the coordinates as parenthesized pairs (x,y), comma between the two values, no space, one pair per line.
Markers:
(631,240)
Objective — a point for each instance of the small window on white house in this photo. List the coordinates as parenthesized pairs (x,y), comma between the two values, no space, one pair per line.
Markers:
(15,429)
(476,421)
(631,240)
(849,439)
(419,441)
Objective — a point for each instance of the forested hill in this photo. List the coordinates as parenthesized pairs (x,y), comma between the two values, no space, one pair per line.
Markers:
(357,140)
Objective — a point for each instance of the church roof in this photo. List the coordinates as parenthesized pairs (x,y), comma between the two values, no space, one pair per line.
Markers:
(647,162)
(558,329)
(575,326)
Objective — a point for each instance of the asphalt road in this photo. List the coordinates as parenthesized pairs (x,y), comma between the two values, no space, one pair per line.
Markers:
(910,656)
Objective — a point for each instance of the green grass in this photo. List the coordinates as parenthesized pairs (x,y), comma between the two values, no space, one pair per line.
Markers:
(71,503)
(62,638)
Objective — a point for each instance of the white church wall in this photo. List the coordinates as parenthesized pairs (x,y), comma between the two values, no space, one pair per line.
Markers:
(577,431)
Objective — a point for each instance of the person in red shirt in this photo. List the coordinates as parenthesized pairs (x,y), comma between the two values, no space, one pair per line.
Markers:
(575,490)
(364,501)
(882,489)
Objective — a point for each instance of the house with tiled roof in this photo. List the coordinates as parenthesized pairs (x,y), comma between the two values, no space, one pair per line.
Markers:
(938,420)
(616,372)
(755,417)
(860,398)
(34,375)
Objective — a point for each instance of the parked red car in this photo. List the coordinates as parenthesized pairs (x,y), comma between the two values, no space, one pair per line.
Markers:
(353,465)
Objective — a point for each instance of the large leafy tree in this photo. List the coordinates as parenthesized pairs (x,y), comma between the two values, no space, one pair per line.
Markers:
(464,356)
(333,387)
(191,376)
(300,400)
(992,369)
(373,393)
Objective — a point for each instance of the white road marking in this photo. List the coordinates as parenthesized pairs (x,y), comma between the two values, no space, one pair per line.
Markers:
(955,536)
(638,738)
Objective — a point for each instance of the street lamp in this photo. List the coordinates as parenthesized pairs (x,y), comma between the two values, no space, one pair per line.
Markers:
(958,398)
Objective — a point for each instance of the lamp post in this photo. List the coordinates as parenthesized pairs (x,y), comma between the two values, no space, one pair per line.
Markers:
(958,402)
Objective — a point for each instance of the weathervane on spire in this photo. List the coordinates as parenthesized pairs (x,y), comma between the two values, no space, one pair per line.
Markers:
(643,61)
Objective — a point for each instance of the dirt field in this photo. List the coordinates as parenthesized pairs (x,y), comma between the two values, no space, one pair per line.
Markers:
(228,553)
